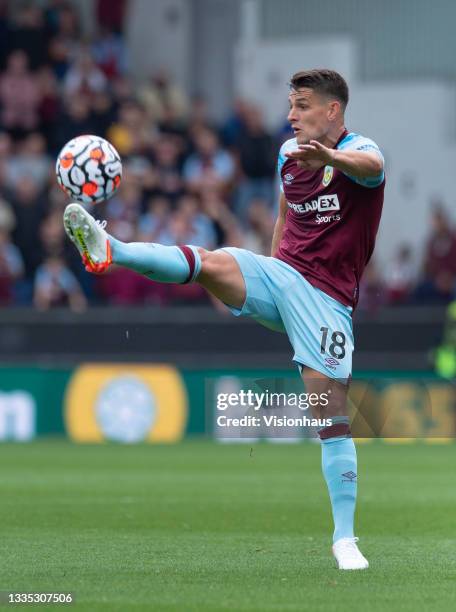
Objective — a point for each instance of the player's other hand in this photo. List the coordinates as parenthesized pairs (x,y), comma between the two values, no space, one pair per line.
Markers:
(312,156)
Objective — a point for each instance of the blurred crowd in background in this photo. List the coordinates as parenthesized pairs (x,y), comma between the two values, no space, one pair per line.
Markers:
(185,179)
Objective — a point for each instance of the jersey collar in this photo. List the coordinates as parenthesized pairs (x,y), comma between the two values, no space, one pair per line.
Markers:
(341,137)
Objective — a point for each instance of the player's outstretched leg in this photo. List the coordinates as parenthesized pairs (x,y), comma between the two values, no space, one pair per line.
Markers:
(339,465)
(166,264)
(216,271)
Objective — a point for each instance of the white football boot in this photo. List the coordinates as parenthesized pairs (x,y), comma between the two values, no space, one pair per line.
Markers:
(348,555)
(89,237)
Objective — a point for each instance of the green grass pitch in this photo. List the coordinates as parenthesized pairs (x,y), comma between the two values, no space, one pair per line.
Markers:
(205,526)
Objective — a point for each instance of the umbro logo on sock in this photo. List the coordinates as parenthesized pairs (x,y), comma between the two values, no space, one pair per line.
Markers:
(350,476)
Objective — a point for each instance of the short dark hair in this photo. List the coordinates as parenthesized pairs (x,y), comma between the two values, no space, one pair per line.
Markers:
(323,81)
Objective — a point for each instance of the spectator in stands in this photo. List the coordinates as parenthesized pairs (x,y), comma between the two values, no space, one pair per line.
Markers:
(131,133)
(439,270)
(260,228)
(56,199)
(210,166)
(122,90)
(103,113)
(84,76)
(11,266)
(62,19)
(154,222)
(400,276)
(19,96)
(5,33)
(198,114)
(127,204)
(159,95)
(65,43)
(172,124)
(74,120)
(256,156)
(29,206)
(51,235)
(49,106)
(30,160)
(226,227)
(6,147)
(55,285)
(109,53)
(60,58)
(188,225)
(111,14)
(233,126)
(29,33)
(7,217)
(11,263)
(166,160)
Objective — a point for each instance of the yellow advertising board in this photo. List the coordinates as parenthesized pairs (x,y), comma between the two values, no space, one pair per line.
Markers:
(126,403)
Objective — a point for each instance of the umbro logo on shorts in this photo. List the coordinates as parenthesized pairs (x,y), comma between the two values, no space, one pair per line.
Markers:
(331,363)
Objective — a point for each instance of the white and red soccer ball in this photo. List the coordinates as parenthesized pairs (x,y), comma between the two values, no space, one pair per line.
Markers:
(89,169)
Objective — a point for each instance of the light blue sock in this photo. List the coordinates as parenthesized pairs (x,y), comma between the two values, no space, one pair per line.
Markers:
(165,264)
(338,460)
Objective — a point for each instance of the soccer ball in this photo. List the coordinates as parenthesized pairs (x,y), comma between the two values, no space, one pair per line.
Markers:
(89,169)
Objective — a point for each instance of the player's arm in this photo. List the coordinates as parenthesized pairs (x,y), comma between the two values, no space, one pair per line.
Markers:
(278,228)
(358,164)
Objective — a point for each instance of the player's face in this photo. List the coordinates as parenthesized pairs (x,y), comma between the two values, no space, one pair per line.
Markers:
(309,115)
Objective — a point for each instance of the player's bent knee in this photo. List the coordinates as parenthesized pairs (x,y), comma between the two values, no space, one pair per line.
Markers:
(208,266)
(213,263)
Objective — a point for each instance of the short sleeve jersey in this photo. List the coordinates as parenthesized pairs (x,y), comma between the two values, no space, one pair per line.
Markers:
(332,220)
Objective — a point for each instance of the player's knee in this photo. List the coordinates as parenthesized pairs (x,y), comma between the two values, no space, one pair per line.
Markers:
(211,263)
(332,394)
(203,253)
(337,406)
(206,260)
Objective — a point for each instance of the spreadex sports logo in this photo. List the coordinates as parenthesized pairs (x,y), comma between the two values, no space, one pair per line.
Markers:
(323,204)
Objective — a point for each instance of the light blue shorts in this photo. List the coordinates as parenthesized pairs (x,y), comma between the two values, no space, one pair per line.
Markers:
(318,326)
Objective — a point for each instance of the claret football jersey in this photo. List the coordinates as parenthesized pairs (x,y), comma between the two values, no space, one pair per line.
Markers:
(331,221)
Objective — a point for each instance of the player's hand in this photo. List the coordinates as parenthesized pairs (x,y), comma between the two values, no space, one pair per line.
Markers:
(312,156)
